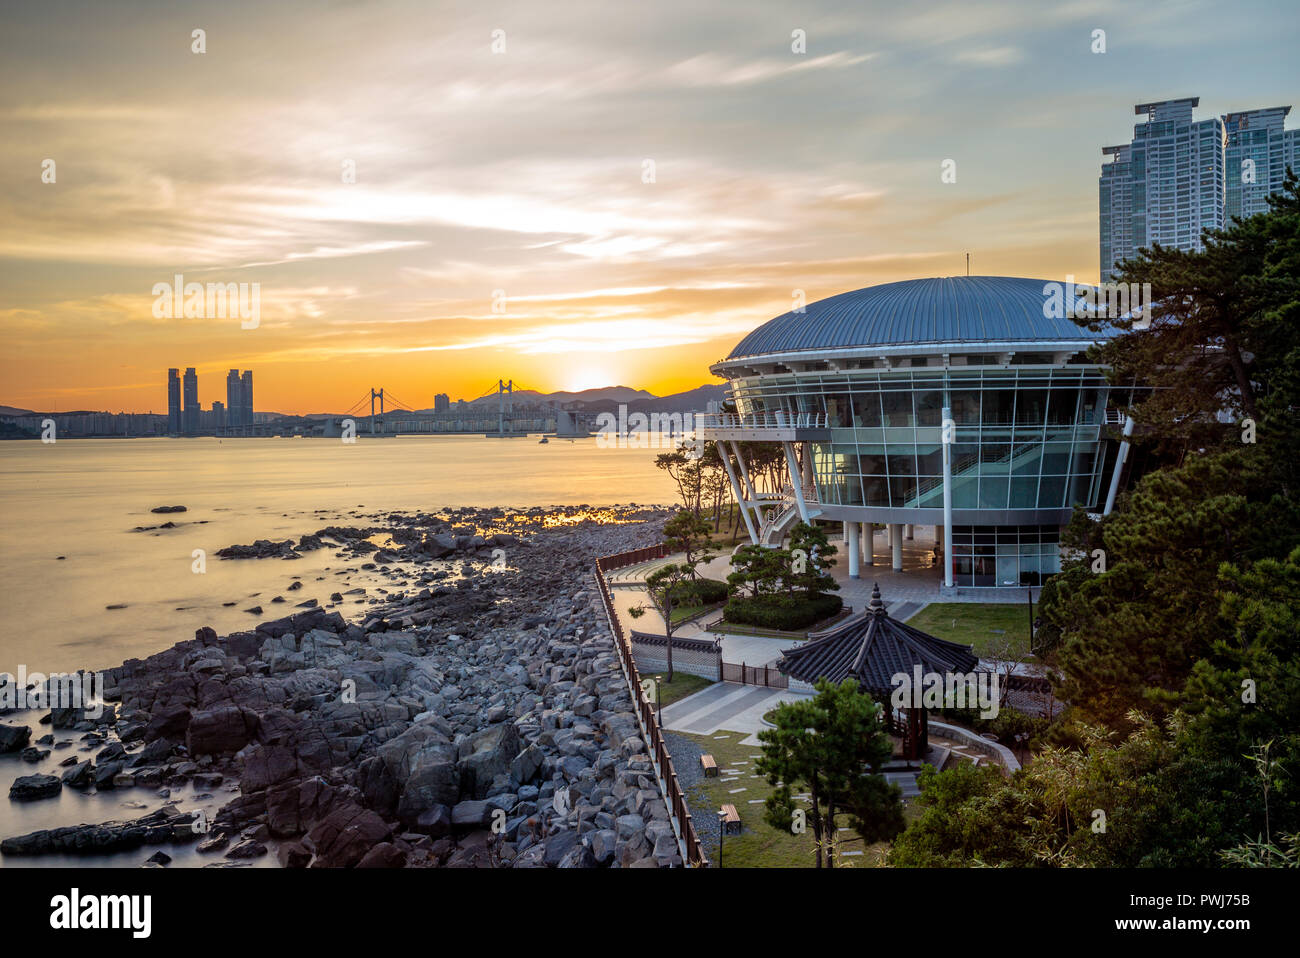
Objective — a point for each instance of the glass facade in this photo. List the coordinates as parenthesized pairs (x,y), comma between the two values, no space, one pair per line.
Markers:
(1005,556)
(1025,437)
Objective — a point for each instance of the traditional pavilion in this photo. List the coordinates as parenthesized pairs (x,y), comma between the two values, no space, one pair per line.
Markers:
(872,648)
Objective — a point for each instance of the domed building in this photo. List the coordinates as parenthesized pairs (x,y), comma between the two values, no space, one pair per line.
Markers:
(966,403)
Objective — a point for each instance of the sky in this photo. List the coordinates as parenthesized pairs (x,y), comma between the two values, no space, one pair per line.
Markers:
(566,194)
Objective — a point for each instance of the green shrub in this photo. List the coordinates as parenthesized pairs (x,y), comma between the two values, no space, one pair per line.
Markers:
(701,592)
(781,612)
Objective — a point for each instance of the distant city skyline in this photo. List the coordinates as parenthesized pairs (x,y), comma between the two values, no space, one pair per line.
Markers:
(598,200)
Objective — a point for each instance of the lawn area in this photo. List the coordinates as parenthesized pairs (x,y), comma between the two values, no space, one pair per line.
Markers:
(682,685)
(758,845)
(971,623)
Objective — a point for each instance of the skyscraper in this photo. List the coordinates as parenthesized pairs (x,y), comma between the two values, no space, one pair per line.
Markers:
(246,396)
(1179,176)
(441,403)
(191,408)
(174,402)
(234,399)
(1257,154)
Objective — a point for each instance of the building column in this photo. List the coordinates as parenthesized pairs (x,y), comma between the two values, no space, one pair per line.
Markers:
(844,531)
(948,436)
(792,466)
(896,541)
(868,543)
(908,531)
(1119,466)
(853,528)
(739,493)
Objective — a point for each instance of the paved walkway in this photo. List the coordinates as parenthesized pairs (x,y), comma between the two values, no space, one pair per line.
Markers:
(727,706)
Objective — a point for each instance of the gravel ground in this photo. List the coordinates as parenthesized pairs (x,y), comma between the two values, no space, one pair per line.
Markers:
(686,760)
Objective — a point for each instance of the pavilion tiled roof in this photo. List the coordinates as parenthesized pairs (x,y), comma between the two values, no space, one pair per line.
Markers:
(872,648)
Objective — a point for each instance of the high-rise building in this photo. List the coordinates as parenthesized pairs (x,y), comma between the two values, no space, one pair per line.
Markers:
(174,401)
(246,397)
(191,407)
(1257,154)
(234,398)
(441,403)
(1179,176)
(218,414)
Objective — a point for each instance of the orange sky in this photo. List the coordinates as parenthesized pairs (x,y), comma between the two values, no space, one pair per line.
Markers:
(501,223)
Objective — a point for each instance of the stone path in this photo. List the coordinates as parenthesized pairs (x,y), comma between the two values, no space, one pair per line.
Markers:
(729,706)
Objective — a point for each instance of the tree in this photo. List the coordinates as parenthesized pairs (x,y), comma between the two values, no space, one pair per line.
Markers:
(758,569)
(664,588)
(811,557)
(1223,335)
(685,471)
(688,532)
(833,745)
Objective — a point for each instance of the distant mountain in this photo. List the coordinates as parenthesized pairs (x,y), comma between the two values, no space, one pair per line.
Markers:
(15,411)
(693,400)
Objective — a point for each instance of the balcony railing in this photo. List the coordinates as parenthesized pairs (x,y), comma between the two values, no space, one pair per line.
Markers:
(769,420)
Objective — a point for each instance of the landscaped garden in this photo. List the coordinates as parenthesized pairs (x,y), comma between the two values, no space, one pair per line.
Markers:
(993,628)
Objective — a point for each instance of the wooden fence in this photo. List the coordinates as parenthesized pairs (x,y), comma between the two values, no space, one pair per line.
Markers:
(649,720)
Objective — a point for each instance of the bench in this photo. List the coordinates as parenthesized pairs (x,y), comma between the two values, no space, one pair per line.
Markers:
(730,820)
(709,765)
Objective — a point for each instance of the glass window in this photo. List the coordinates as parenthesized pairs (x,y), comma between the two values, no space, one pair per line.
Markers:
(1061,407)
(866,409)
(875,492)
(995,458)
(1031,407)
(965,492)
(929,408)
(1027,459)
(897,408)
(999,407)
(1056,458)
(966,407)
(1051,492)
(902,464)
(871,464)
(993,492)
(929,460)
(1024,493)
(902,490)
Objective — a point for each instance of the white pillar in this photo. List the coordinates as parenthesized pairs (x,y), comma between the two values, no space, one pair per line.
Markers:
(740,497)
(1119,466)
(949,430)
(845,531)
(852,528)
(896,540)
(868,543)
(796,480)
(908,530)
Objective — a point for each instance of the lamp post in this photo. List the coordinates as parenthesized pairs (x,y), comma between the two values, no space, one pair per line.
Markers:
(722,832)
(659,701)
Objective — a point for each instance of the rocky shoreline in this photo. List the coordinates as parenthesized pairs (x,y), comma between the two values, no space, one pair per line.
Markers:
(472,715)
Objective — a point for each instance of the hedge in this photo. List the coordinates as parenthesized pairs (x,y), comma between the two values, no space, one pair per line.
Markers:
(781,612)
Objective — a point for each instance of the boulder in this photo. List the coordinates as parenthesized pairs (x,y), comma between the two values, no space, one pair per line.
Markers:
(486,755)
(27,788)
(14,738)
(345,835)
(221,730)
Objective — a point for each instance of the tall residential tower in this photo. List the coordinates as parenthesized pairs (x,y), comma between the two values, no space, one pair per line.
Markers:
(1179,176)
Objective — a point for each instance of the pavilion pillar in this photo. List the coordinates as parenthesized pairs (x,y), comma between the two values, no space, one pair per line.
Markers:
(908,531)
(852,532)
(896,541)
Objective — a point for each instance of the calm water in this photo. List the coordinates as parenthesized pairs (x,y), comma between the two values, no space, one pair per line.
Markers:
(81,498)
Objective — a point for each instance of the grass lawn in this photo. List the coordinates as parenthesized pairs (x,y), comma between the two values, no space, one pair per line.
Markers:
(682,685)
(971,623)
(758,845)
(684,612)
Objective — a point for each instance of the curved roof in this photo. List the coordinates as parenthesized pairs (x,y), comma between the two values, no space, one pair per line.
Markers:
(965,309)
(872,647)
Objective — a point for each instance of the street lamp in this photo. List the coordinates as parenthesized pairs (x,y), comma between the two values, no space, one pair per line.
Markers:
(659,701)
(722,831)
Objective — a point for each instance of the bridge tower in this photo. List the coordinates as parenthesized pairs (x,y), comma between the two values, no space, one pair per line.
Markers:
(505,404)
(373,396)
